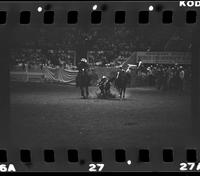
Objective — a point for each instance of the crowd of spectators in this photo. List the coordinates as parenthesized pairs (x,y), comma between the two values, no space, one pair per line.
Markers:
(105,45)
(165,77)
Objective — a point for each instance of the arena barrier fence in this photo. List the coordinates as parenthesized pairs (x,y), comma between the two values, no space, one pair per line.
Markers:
(57,74)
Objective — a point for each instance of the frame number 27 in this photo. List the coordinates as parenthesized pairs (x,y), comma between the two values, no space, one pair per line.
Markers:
(96,167)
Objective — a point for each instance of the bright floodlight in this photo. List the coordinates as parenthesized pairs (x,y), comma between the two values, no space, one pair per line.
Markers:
(129,162)
(94,7)
(39,9)
(151,8)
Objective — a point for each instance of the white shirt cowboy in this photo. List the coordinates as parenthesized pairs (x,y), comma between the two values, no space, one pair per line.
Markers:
(120,71)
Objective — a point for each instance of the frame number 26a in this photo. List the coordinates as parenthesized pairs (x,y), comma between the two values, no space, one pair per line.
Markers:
(96,167)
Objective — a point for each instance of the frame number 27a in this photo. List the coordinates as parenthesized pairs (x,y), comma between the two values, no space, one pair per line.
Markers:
(96,167)
(189,166)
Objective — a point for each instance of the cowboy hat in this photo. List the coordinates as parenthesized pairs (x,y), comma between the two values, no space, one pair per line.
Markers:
(84,60)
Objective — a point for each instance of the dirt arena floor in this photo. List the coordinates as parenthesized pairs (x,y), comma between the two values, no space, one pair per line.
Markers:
(49,114)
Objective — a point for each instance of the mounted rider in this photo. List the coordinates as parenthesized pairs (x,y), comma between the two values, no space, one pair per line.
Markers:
(83,65)
(121,71)
(82,79)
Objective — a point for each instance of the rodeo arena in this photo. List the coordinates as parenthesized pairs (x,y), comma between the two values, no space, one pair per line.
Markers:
(95,87)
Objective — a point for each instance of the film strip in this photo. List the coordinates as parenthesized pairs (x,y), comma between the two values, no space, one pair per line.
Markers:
(99,86)
(96,155)
(119,17)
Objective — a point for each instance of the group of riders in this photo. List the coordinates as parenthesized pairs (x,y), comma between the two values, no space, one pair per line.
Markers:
(121,80)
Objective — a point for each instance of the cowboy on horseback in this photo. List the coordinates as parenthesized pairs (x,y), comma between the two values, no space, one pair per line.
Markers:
(83,65)
(119,73)
(82,79)
(122,81)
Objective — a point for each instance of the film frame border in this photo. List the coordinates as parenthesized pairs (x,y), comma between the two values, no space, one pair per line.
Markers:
(178,23)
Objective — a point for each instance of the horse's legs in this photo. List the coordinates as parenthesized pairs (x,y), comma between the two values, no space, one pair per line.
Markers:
(124,91)
(120,92)
(87,92)
(82,91)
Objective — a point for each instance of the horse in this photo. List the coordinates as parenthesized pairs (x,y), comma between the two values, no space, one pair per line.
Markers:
(83,81)
(121,82)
